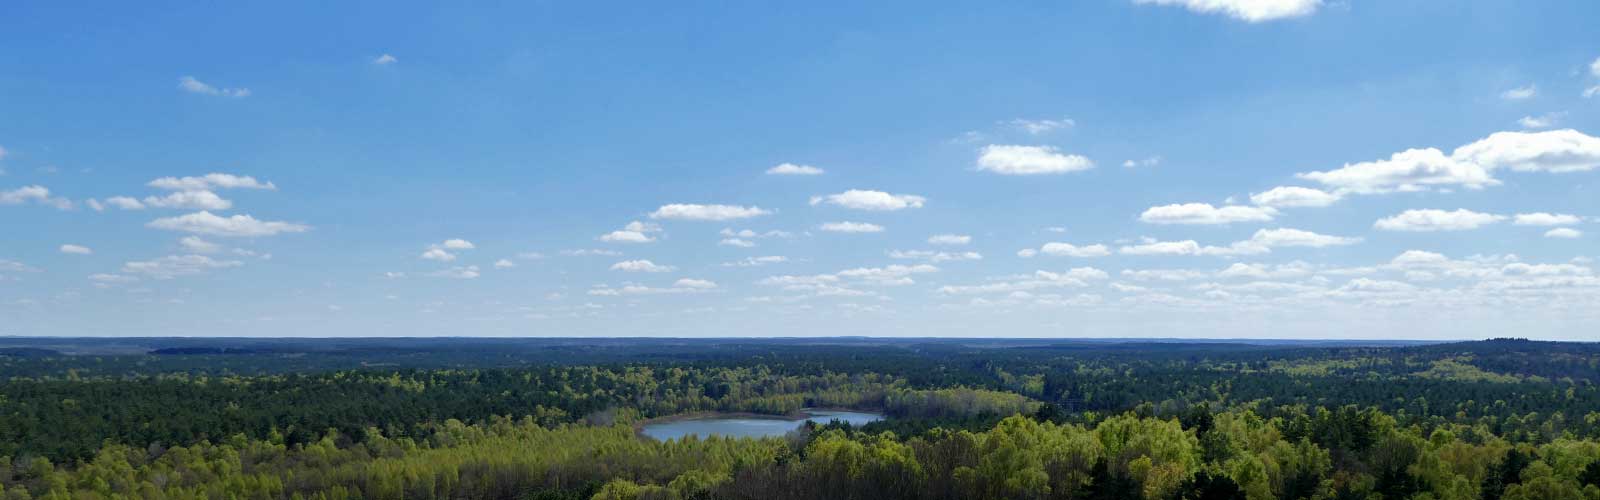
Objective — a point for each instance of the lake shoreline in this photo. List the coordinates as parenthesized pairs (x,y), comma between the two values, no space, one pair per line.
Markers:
(799,416)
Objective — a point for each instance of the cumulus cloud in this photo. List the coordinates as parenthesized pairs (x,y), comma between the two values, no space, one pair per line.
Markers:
(75,249)
(851,227)
(1546,120)
(736,242)
(1564,233)
(177,265)
(438,254)
(584,252)
(204,222)
(1038,127)
(1204,213)
(859,199)
(1546,219)
(1430,220)
(689,211)
(384,60)
(1410,170)
(458,244)
(641,266)
(933,256)
(190,200)
(1029,160)
(634,232)
(1294,196)
(757,261)
(697,284)
(1252,11)
(1286,237)
(891,275)
(34,194)
(1147,162)
(1076,277)
(125,203)
(1058,249)
(193,244)
(1557,151)
(1520,93)
(191,85)
(949,239)
(210,181)
(794,169)
(504,264)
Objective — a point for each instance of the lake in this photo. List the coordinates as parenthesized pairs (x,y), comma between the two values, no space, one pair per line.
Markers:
(750,426)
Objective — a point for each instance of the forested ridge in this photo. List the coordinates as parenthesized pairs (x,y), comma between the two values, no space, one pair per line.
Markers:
(1481,420)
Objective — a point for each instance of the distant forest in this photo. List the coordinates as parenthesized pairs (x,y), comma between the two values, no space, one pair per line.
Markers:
(967,418)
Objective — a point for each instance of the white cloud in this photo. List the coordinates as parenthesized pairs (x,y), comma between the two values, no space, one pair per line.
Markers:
(1147,162)
(584,252)
(1520,93)
(1294,196)
(1029,160)
(694,283)
(1076,277)
(1190,247)
(736,242)
(16,267)
(1546,219)
(76,249)
(949,239)
(210,181)
(192,200)
(681,211)
(35,194)
(1546,120)
(1563,232)
(1057,249)
(851,227)
(459,272)
(236,226)
(728,232)
(438,254)
(859,199)
(1594,67)
(634,232)
(190,84)
(793,169)
(1557,151)
(384,60)
(177,265)
(1185,247)
(1253,11)
(193,244)
(1027,253)
(1410,170)
(1286,237)
(458,244)
(1037,127)
(757,261)
(1591,91)
(932,256)
(530,256)
(891,275)
(504,264)
(125,203)
(641,266)
(111,278)
(1436,220)
(1204,213)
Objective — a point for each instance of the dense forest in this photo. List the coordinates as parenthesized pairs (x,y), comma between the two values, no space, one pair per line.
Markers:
(443,418)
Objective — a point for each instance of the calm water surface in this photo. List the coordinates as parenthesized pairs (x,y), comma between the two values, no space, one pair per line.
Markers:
(750,427)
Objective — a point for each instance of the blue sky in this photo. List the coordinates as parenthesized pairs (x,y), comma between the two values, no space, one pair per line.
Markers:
(1161,168)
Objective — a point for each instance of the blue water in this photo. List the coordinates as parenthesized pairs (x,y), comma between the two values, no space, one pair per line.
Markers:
(750,427)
